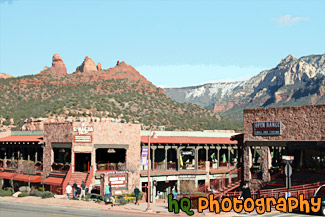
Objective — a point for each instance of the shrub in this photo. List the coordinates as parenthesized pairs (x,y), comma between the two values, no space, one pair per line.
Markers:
(23,194)
(47,194)
(36,193)
(122,201)
(140,195)
(5,193)
(96,197)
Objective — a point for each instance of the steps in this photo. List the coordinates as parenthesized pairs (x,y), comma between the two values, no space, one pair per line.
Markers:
(78,177)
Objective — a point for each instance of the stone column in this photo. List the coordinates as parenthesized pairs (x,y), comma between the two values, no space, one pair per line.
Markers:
(265,166)
(93,160)
(5,161)
(229,157)
(196,157)
(153,157)
(246,160)
(218,156)
(207,174)
(178,160)
(166,162)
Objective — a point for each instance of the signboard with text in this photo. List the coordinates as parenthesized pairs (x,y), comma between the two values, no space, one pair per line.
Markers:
(267,128)
(118,182)
(86,139)
(144,156)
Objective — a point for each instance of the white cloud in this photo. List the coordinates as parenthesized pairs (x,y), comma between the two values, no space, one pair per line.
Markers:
(288,20)
(195,74)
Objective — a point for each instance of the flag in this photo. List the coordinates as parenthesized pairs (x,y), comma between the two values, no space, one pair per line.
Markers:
(224,158)
(180,160)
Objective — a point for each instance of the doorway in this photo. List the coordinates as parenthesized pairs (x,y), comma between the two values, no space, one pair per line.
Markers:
(82,162)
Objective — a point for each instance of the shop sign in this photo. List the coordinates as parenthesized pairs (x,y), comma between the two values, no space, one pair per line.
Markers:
(144,156)
(189,152)
(187,177)
(171,178)
(118,182)
(116,172)
(82,149)
(267,128)
(83,129)
(83,139)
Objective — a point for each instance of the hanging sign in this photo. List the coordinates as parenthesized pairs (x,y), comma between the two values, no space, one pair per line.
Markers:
(86,139)
(187,152)
(267,128)
(144,156)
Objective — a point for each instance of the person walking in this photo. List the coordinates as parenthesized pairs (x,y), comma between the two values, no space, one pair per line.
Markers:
(106,196)
(83,190)
(136,194)
(110,196)
(68,189)
(246,193)
(175,192)
(74,186)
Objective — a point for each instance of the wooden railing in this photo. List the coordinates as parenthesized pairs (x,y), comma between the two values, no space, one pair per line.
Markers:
(111,166)
(89,177)
(220,184)
(60,167)
(66,180)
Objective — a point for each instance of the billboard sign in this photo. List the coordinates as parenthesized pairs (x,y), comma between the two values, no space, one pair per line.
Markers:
(267,128)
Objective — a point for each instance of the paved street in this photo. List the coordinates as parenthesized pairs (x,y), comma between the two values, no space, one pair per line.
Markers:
(21,210)
(34,210)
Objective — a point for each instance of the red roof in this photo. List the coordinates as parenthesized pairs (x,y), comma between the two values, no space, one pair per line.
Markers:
(53,181)
(189,140)
(33,138)
(27,178)
(6,175)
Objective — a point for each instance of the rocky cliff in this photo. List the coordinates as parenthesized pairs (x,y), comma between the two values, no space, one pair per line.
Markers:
(292,82)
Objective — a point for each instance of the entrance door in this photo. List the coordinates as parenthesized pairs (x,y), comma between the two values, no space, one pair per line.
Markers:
(82,162)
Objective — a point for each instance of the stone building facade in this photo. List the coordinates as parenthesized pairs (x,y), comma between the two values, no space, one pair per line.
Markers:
(301,131)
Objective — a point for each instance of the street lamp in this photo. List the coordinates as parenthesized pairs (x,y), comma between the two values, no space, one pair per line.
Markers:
(154,136)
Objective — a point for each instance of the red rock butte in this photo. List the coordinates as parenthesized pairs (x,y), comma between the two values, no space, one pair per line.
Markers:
(88,65)
(58,66)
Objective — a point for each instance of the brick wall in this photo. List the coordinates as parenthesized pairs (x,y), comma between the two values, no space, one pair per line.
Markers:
(300,123)
(54,132)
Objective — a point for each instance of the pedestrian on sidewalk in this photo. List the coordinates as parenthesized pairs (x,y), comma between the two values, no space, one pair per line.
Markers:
(83,190)
(136,194)
(74,186)
(246,193)
(68,189)
(175,192)
(106,196)
(110,196)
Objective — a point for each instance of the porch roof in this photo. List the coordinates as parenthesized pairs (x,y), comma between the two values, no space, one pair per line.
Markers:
(189,140)
(29,138)
(53,181)
(27,178)
(7,175)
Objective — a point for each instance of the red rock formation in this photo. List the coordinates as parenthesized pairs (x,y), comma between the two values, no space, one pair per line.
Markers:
(88,65)
(58,66)
(2,75)
(99,66)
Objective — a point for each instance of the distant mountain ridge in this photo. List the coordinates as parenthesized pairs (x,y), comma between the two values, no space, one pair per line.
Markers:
(292,82)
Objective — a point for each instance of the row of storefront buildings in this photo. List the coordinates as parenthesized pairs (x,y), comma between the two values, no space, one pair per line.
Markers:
(102,152)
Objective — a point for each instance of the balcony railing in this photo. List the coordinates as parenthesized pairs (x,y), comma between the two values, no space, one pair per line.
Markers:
(171,165)
(159,165)
(60,167)
(111,166)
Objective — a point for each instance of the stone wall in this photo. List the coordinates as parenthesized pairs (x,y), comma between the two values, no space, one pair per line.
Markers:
(54,132)
(301,123)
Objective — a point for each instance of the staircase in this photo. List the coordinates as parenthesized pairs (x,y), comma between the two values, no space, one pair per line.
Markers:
(78,177)
(219,187)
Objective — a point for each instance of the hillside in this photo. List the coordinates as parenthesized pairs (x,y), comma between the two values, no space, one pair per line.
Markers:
(120,92)
(292,82)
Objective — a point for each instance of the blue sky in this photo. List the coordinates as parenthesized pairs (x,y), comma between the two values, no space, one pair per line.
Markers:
(171,43)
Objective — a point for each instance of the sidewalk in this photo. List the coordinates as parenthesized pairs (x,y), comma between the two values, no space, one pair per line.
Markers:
(158,209)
